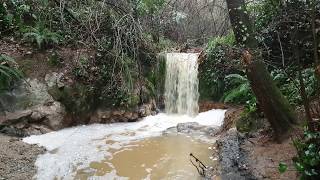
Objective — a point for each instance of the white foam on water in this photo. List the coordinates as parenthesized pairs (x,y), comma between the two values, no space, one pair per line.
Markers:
(75,148)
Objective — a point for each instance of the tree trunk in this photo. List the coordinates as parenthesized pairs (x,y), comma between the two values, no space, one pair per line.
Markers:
(306,102)
(315,46)
(274,105)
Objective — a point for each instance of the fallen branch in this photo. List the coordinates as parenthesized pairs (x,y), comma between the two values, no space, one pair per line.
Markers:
(201,168)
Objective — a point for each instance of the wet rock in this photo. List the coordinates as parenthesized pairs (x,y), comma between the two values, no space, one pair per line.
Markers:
(145,110)
(188,127)
(118,113)
(128,115)
(24,123)
(54,79)
(193,128)
(232,159)
(53,115)
(24,95)
(134,117)
(36,116)
(14,117)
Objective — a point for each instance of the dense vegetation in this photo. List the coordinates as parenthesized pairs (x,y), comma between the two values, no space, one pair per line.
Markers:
(124,38)
(287,37)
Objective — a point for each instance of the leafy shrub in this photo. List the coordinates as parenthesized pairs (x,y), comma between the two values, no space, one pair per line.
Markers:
(81,70)
(220,61)
(14,15)
(212,72)
(239,91)
(307,161)
(263,12)
(239,88)
(289,84)
(7,72)
(249,122)
(41,35)
(228,40)
(5,18)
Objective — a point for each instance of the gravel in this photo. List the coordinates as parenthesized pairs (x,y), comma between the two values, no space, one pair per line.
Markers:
(17,159)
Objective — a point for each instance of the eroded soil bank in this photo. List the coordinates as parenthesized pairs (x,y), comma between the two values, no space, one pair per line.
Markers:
(253,155)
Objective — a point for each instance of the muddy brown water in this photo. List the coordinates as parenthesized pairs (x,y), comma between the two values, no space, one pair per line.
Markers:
(164,157)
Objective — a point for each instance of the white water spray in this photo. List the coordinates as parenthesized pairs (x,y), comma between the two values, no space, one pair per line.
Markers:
(181,88)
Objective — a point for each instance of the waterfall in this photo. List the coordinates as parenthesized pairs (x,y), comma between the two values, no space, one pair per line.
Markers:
(181,85)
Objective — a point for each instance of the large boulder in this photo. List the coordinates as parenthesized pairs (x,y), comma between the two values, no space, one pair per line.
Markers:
(36,120)
(51,115)
(28,108)
(26,94)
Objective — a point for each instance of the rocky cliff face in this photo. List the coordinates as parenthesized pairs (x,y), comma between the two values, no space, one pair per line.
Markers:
(29,109)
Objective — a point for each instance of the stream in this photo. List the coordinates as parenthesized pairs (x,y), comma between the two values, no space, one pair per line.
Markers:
(154,148)
(137,150)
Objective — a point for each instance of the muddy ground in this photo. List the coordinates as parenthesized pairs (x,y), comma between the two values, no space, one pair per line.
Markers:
(256,157)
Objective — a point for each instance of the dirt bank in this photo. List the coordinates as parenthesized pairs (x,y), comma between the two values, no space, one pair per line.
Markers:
(17,159)
(253,155)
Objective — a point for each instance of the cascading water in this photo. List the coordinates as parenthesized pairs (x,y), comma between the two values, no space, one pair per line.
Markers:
(136,150)
(181,86)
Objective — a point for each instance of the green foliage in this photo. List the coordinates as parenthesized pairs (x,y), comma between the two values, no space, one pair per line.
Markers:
(249,121)
(289,84)
(307,162)
(165,44)
(41,35)
(155,80)
(14,15)
(8,72)
(112,84)
(239,91)
(211,75)
(81,71)
(221,40)
(150,6)
(282,167)
(263,12)
(5,18)
(219,62)
(240,88)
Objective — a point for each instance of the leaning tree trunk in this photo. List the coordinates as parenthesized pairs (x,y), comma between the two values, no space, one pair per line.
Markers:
(274,105)
(315,39)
